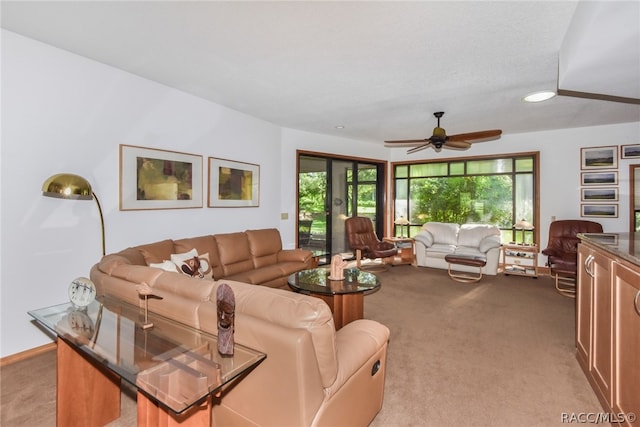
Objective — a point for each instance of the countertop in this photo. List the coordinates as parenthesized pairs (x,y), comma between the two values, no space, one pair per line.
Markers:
(622,245)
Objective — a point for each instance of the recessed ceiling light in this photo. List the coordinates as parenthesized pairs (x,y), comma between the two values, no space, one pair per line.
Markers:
(339,126)
(539,96)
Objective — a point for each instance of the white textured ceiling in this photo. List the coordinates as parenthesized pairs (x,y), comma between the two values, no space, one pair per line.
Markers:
(378,68)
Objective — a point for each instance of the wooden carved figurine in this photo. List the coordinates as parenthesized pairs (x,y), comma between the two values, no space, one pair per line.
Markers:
(226,305)
(337,268)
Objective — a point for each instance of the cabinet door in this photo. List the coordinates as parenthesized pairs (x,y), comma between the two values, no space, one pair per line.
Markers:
(583,305)
(626,348)
(601,343)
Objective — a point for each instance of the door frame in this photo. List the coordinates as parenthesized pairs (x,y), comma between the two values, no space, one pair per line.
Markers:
(382,213)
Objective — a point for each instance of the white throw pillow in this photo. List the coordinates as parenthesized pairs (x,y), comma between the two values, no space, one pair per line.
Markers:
(165,265)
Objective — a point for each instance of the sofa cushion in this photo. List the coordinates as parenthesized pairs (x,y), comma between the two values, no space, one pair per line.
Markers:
(424,237)
(472,234)
(468,251)
(441,248)
(442,232)
(264,246)
(157,252)
(167,284)
(489,243)
(234,253)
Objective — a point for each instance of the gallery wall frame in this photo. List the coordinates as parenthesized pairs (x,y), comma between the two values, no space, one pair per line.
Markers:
(630,151)
(599,194)
(599,157)
(599,178)
(233,184)
(152,178)
(599,210)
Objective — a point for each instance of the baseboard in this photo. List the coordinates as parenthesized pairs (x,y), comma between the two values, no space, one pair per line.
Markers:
(27,354)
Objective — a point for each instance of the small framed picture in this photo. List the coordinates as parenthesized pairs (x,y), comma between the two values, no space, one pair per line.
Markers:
(599,194)
(599,178)
(233,184)
(599,157)
(159,179)
(599,210)
(630,151)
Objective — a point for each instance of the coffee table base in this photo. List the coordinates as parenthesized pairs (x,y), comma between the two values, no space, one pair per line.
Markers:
(345,307)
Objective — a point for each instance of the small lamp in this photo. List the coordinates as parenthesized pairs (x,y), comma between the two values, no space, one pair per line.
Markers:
(70,186)
(523,225)
(402,221)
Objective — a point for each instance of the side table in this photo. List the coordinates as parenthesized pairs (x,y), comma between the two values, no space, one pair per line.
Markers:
(520,260)
(406,250)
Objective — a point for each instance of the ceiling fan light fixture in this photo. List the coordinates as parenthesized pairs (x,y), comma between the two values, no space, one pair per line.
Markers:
(539,96)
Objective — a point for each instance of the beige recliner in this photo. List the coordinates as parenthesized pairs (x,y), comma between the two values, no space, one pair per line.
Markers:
(313,375)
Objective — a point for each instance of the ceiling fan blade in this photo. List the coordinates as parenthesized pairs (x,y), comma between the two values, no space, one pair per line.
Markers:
(459,145)
(406,142)
(486,135)
(418,148)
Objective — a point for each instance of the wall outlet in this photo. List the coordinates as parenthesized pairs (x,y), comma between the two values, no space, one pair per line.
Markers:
(284,215)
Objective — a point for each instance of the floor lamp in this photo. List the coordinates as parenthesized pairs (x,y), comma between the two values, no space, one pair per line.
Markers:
(70,186)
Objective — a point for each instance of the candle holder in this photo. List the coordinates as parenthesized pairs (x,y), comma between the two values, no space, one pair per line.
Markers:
(144,290)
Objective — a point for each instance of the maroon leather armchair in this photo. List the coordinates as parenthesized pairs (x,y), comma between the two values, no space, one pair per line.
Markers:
(562,251)
(363,240)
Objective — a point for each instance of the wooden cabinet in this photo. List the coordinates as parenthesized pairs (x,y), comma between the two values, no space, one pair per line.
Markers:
(520,259)
(626,342)
(594,322)
(608,329)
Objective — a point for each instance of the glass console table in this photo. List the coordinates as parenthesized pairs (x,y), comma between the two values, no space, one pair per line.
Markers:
(174,368)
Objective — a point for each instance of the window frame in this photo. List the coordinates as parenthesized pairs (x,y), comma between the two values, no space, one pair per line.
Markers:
(534,155)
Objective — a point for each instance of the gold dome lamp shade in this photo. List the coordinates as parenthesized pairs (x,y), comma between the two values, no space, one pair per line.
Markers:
(75,187)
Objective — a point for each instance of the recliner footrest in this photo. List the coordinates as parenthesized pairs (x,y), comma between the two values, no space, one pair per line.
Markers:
(467,260)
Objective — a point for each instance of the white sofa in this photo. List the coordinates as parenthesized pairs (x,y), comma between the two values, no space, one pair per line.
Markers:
(438,239)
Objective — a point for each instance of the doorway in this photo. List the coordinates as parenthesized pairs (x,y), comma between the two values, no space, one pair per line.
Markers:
(330,190)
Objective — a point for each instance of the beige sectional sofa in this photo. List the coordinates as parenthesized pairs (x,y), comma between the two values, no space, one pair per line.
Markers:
(313,375)
(437,239)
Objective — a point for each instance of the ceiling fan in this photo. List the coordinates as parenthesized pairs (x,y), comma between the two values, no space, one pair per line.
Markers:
(440,139)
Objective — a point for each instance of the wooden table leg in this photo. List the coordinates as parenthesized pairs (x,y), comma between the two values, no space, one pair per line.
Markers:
(152,415)
(87,395)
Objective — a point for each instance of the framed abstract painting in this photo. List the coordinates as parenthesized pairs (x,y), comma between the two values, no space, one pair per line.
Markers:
(233,184)
(159,179)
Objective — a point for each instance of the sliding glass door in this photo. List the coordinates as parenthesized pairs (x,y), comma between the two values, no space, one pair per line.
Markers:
(330,190)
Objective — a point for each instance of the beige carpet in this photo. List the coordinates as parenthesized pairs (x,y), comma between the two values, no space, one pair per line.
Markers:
(496,353)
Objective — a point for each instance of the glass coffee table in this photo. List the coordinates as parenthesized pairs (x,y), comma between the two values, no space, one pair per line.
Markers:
(344,297)
(174,368)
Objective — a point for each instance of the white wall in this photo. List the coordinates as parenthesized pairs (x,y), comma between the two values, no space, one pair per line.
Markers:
(65,113)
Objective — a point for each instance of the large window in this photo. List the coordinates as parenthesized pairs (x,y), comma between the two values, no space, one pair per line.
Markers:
(493,190)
